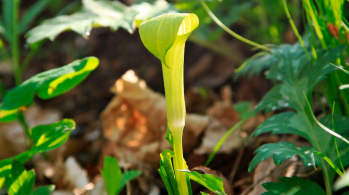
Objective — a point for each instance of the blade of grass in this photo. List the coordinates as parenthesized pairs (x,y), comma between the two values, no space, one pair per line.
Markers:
(221,141)
(335,142)
(294,28)
(219,23)
(339,172)
(323,126)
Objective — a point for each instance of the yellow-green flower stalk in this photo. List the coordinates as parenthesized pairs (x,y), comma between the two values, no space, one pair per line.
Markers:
(165,36)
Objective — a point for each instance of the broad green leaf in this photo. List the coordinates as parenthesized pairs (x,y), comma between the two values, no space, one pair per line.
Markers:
(215,184)
(203,193)
(299,75)
(126,177)
(283,123)
(47,85)
(282,151)
(263,60)
(44,190)
(166,162)
(112,175)
(46,137)
(103,13)
(19,181)
(164,36)
(31,14)
(49,137)
(293,185)
(8,115)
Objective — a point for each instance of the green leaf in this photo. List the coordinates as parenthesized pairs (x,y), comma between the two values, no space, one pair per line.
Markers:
(215,184)
(164,179)
(46,137)
(169,136)
(293,185)
(339,172)
(44,190)
(282,151)
(30,15)
(126,177)
(49,137)
(46,85)
(283,123)
(298,75)
(19,181)
(103,13)
(203,193)
(263,60)
(166,162)
(112,175)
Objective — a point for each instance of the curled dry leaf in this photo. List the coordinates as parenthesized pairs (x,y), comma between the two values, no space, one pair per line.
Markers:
(34,116)
(227,187)
(135,121)
(267,171)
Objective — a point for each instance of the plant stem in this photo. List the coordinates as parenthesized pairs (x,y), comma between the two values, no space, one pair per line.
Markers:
(179,163)
(15,43)
(28,138)
(294,28)
(219,23)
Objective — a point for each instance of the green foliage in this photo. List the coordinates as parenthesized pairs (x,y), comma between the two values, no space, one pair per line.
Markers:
(282,151)
(114,180)
(44,190)
(49,137)
(46,137)
(264,60)
(167,172)
(46,85)
(293,185)
(112,14)
(299,75)
(19,181)
(215,184)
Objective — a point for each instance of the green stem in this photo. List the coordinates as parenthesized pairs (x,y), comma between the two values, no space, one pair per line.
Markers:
(15,43)
(29,58)
(28,138)
(295,30)
(179,163)
(219,23)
